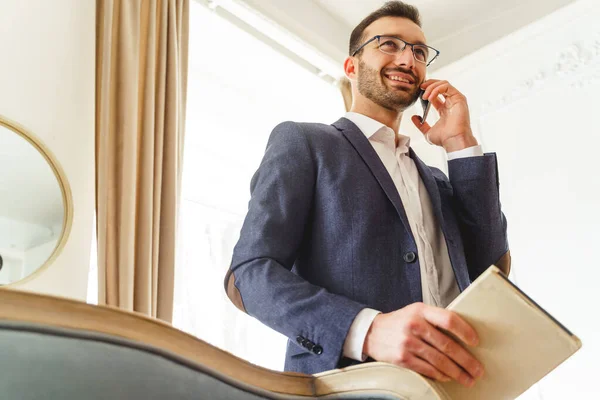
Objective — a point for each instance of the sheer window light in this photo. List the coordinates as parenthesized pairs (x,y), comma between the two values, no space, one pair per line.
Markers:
(239,89)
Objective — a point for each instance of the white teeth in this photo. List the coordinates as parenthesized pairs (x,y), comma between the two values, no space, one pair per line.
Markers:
(397,78)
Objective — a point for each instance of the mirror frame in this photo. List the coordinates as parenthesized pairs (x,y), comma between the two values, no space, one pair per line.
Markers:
(65,189)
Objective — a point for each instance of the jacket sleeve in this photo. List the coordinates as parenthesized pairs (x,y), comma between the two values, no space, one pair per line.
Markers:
(477,202)
(260,281)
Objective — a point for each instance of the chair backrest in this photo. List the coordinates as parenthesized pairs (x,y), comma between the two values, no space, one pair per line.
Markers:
(40,362)
(59,349)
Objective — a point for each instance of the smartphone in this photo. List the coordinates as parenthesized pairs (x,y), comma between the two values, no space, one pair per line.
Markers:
(426,105)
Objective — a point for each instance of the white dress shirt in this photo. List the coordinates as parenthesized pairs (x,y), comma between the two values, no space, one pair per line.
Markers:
(438,282)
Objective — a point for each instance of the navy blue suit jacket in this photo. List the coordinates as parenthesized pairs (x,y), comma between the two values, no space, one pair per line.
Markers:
(326,235)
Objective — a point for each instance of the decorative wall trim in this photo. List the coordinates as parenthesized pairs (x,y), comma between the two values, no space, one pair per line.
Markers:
(578,66)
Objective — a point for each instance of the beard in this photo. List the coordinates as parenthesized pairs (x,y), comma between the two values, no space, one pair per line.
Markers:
(373,88)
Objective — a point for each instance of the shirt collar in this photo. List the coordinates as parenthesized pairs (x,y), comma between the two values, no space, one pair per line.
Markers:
(375,130)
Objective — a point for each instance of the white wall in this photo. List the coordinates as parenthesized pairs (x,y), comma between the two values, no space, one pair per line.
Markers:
(47,78)
(533,97)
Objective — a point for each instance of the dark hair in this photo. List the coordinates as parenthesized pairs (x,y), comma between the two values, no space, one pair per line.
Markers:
(389,9)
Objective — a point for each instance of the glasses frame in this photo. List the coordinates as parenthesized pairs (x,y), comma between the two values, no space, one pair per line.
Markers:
(412,48)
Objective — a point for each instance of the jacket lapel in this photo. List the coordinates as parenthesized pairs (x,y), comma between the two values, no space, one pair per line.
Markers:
(370,157)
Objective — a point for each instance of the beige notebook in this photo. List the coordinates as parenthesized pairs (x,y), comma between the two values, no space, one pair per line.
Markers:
(519,344)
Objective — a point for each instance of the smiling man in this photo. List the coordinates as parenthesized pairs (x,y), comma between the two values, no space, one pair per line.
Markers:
(352,246)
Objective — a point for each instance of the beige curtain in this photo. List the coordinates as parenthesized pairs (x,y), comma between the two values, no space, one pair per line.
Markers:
(141,79)
(346,89)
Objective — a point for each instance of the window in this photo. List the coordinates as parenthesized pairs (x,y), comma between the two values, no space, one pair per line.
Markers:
(239,89)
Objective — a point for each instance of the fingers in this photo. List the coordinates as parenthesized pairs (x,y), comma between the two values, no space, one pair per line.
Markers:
(425,368)
(434,88)
(452,323)
(431,87)
(438,104)
(444,365)
(412,338)
(447,355)
(443,88)
(428,83)
(419,356)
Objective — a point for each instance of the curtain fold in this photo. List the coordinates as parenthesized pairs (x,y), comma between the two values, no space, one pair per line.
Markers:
(141,81)
(346,90)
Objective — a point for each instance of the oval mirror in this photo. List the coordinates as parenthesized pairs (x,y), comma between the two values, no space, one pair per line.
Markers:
(35,205)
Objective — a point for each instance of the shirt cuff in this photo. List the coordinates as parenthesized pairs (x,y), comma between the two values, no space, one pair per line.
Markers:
(474,151)
(353,346)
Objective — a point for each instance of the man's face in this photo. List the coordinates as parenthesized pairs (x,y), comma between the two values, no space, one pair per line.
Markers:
(378,73)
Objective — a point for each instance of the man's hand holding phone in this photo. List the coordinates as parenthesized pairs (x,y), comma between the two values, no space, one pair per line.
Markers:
(453,130)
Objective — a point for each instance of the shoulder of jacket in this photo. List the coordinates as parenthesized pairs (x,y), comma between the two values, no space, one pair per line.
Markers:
(312,131)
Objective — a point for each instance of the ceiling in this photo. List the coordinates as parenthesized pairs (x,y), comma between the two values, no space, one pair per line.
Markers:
(457,27)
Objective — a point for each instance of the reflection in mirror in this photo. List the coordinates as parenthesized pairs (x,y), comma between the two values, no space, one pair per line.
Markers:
(32,209)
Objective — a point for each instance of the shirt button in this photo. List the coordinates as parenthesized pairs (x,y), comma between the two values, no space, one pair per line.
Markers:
(410,257)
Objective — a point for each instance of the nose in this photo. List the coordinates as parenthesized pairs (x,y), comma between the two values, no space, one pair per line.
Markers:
(405,58)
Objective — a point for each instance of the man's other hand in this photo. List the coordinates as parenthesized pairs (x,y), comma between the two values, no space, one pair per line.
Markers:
(410,338)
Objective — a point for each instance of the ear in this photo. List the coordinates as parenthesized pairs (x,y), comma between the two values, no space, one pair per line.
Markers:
(350,68)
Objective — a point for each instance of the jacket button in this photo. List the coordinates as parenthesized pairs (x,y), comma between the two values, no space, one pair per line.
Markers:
(299,339)
(410,257)
(318,350)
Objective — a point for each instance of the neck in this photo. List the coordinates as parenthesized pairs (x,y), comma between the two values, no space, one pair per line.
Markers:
(387,117)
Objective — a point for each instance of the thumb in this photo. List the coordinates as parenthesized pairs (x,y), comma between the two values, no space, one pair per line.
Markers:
(423,127)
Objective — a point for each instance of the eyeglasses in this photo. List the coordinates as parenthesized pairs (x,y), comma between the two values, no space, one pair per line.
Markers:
(394,46)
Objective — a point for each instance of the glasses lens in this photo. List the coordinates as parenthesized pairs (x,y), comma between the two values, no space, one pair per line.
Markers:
(390,45)
(393,46)
(422,53)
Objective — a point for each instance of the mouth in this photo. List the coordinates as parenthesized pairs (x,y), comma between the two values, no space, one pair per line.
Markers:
(400,80)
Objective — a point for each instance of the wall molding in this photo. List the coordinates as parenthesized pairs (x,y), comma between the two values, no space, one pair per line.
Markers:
(578,66)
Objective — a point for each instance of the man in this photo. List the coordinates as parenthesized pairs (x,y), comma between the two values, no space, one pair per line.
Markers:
(352,246)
